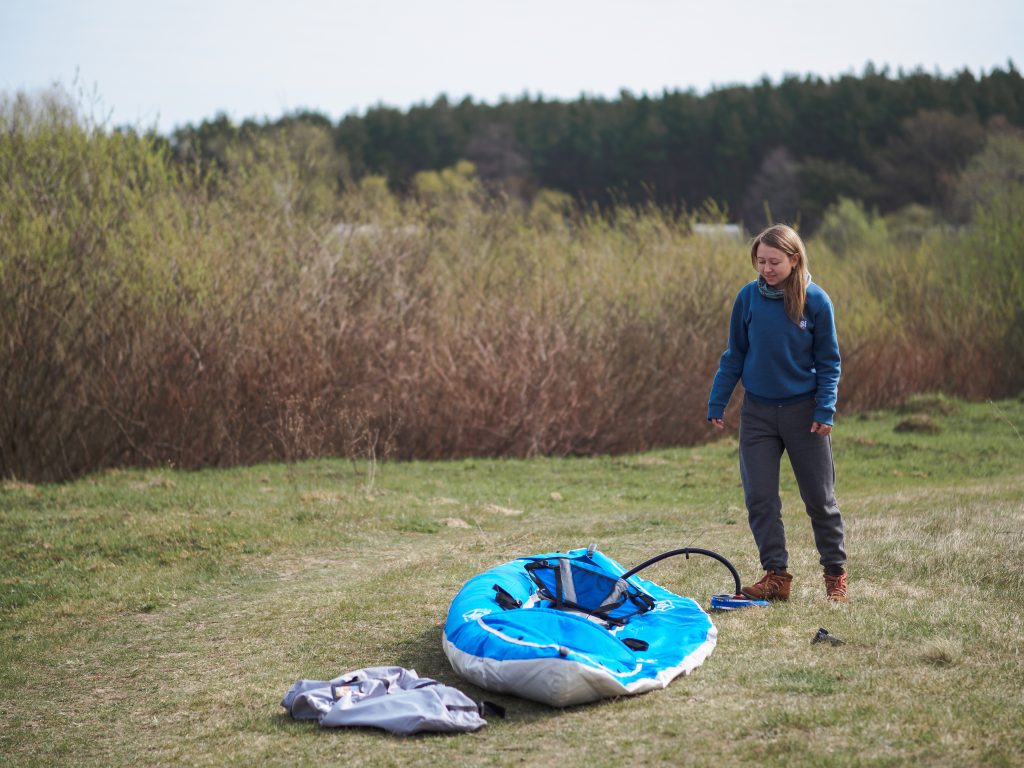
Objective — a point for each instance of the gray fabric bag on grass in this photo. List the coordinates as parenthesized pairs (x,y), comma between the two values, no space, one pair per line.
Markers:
(393,698)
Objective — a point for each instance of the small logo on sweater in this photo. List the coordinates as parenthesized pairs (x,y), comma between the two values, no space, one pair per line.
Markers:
(803,323)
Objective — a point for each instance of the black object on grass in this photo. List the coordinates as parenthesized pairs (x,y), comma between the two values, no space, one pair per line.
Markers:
(823,636)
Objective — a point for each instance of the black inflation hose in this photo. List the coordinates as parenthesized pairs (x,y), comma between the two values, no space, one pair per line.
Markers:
(687,551)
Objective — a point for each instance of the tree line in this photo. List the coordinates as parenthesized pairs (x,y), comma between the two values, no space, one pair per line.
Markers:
(784,150)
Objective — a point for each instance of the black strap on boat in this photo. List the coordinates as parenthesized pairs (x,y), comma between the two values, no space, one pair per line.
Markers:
(635,643)
(687,551)
(486,708)
(505,599)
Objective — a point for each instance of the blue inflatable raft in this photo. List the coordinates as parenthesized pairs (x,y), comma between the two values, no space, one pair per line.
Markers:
(565,628)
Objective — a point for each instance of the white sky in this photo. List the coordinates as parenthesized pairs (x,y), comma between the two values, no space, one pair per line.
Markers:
(169,63)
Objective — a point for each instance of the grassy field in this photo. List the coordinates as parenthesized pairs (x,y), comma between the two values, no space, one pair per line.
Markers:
(158,617)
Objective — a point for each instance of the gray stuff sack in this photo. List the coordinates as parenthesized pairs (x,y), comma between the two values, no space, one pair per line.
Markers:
(393,698)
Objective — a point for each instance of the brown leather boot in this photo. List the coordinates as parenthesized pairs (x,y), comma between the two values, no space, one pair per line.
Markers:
(774,586)
(835,588)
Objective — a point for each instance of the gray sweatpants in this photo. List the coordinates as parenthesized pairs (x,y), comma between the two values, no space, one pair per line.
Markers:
(765,432)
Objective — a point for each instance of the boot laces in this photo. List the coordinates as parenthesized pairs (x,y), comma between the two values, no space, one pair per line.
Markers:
(771,582)
(835,586)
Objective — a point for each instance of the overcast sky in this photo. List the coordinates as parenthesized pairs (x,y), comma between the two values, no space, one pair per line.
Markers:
(168,63)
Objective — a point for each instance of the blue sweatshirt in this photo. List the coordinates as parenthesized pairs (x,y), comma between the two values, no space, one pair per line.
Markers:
(780,362)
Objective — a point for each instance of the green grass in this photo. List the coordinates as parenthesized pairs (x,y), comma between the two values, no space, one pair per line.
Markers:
(158,617)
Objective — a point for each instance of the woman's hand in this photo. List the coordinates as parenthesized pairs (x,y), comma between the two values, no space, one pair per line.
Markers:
(720,423)
(822,429)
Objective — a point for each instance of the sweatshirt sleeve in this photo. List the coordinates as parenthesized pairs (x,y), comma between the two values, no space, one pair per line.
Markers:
(826,363)
(730,367)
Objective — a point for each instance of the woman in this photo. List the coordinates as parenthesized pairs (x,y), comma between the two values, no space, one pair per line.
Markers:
(783,346)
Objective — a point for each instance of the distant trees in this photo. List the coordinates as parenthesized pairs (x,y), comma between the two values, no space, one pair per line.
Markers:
(920,163)
(791,149)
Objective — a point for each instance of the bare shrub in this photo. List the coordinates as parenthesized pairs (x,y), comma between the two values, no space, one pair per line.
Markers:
(153,316)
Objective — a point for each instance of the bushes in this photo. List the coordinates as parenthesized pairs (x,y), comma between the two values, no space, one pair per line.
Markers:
(84,278)
(152,315)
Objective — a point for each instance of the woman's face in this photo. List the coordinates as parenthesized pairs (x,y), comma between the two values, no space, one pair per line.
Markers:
(774,265)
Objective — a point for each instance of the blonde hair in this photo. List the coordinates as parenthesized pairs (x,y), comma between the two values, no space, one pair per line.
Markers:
(788,241)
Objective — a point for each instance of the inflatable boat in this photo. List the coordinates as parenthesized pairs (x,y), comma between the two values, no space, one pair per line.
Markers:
(567,628)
